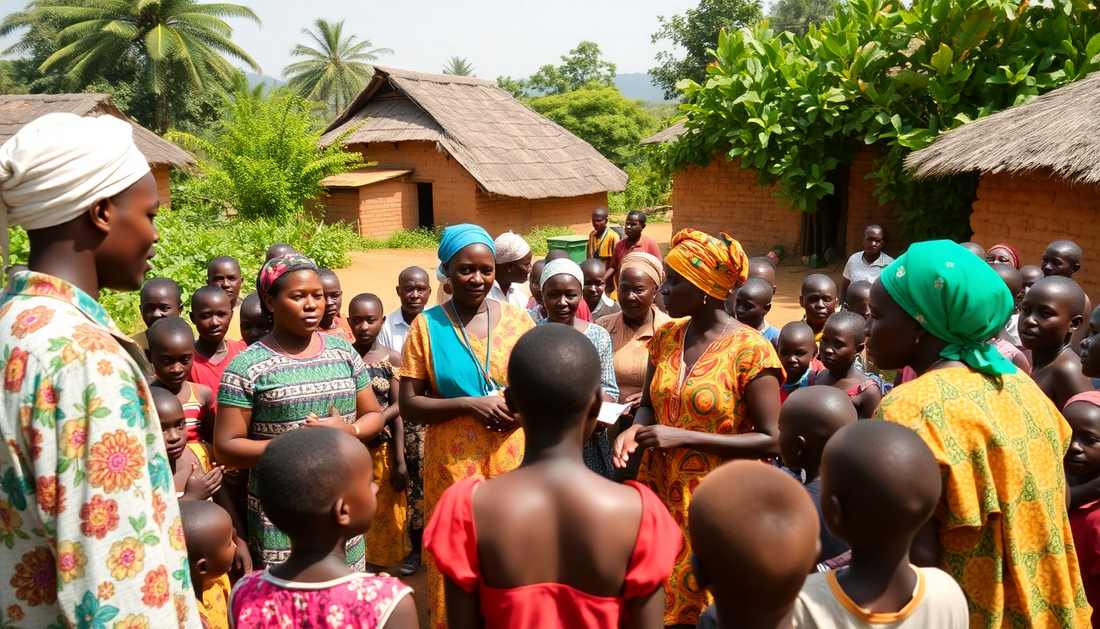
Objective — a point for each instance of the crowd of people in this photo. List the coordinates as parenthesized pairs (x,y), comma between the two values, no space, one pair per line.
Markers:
(622,442)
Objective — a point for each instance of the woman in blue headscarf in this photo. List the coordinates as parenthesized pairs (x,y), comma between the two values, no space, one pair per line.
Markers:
(452,375)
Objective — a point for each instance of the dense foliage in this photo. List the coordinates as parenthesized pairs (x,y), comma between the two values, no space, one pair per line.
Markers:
(582,66)
(263,161)
(337,69)
(649,186)
(696,32)
(794,108)
(601,116)
(797,15)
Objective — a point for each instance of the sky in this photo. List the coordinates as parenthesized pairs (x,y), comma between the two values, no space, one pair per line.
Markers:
(499,37)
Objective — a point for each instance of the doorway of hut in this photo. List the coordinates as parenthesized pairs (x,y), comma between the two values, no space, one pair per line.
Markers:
(425,206)
(823,231)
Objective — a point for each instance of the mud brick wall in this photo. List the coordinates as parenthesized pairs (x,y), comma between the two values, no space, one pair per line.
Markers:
(164,185)
(500,214)
(864,208)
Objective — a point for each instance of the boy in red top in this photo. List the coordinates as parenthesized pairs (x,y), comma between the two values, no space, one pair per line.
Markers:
(1083,462)
(212,315)
(634,240)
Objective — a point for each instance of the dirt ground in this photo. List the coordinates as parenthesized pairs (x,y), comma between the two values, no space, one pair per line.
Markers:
(376,272)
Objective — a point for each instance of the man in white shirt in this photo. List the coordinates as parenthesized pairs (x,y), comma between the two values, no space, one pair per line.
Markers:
(413,289)
(513,269)
(866,265)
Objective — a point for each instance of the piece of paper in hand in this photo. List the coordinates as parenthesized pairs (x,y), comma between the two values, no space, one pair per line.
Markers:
(610,412)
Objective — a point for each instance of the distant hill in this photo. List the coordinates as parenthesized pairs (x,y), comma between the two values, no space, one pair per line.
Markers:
(255,79)
(639,85)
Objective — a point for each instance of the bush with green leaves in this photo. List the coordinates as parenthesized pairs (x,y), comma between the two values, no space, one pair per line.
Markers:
(793,108)
(648,186)
(613,124)
(264,161)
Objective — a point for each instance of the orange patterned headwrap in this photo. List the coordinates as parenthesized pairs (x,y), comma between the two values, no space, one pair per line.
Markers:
(715,265)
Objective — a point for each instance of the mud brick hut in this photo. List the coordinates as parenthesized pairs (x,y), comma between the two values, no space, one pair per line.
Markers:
(454,149)
(17,110)
(1040,173)
(723,196)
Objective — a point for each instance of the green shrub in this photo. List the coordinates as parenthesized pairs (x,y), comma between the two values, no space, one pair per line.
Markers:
(648,186)
(419,238)
(536,238)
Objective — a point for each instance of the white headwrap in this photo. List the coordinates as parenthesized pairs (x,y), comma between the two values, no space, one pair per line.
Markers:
(510,248)
(558,267)
(59,164)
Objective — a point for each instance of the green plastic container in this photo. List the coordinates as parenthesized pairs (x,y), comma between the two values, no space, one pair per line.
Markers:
(575,246)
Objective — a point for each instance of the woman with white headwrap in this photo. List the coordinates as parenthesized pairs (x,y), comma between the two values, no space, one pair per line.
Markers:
(85,446)
(561,286)
(513,269)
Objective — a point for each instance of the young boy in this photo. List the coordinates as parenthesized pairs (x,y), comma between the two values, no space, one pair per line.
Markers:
(858,299)
(225,273)
(751,303)
(808,419)
(171,352)
(1030,274)
(413,290)
(866,265)
(634,240)
(798,355)
(211,545)
(593,290)
(331,321)
(212,316)
(602,239)
(754,538)
(842,341)
(1049,317)
(763,268)
(1063,257)
(160,297)
(278,249)
(818,300)
(974,248)
(879,485)
(1083,463)
(254,323)
(534,306)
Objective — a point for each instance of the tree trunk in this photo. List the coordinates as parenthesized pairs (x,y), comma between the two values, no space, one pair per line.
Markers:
(162,113)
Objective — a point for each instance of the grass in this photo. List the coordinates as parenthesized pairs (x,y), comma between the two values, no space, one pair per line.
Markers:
(536,238)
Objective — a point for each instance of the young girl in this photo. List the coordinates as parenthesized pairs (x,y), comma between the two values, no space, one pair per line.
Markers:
(172,352)
(317,486)
(842,341)
(552,544)
(388,542)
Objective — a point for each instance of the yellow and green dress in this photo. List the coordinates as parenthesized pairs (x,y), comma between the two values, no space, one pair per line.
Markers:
(1003,529)
(387,540)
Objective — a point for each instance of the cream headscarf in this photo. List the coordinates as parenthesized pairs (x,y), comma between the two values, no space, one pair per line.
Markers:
(510,247)
(59,164)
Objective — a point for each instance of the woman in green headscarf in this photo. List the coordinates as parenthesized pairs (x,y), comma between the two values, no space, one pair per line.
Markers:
(1001,528)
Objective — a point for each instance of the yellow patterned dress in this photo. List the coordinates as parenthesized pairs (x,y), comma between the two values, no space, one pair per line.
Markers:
(387,540)
(463,447)
(1003,529)
(709,399)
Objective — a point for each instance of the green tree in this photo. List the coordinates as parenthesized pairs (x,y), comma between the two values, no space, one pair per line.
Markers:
(9,79)
(580,67)
(458,66)
(263,161)
(171,44)
(696,32)
(337,69)
(796,16)
(515,87)
(600,115)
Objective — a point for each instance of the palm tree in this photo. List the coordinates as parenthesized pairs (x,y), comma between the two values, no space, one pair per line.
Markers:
(176,44)
(458,67)
(337,69)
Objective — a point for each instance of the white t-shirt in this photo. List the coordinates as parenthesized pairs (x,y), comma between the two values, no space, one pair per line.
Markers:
(938,602)
(516,296)
(857,270)
(394,331)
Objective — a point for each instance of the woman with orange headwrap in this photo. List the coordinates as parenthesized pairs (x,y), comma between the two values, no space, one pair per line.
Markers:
(711,394)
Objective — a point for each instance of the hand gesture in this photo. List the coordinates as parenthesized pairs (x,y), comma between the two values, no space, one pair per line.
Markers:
(399,476)
(242,559)
(659,437)
(201,486)
(334,420)
(633,401)
(493,412)
(625,445)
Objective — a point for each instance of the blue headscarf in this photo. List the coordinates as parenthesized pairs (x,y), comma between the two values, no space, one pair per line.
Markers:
(458,237)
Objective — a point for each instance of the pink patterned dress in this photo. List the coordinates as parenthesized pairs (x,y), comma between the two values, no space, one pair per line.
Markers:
(357,601)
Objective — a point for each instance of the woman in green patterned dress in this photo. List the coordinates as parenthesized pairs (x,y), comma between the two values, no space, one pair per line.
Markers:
(292,378)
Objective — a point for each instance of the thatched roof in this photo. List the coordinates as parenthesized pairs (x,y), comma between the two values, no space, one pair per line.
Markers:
(17,110)
(506,146)
(1058,131)
(671,134)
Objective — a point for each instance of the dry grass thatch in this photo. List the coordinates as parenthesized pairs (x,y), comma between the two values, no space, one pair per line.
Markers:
(1058,131)
(17,110)
(671,134)
(506,146)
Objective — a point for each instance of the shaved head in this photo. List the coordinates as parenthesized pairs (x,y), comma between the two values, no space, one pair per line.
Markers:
(796,332)
(553,376)
(364,299)
(161,286)
(413,273)
(817,283)
(807,419)
(756,288)
(762,267)
(1067,250)
(1061,290)
(593,265)
(848,323)
(204,526)
(859,291)
(556,254)
(1011,277)
(975,248)
(224,260)
(279,249)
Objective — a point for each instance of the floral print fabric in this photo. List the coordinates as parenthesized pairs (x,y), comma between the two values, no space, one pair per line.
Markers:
(357,601)
(90,533)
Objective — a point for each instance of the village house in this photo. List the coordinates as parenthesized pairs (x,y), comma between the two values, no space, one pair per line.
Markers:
(724,197)
(17,110)
(1040,174)
(454,149)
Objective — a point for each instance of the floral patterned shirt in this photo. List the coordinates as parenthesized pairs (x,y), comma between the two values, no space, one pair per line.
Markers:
(357,601)
(90,532)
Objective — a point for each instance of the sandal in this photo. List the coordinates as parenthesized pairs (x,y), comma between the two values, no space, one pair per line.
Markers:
(411,565)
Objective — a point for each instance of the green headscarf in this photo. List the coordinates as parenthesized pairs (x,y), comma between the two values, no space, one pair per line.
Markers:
(957,297)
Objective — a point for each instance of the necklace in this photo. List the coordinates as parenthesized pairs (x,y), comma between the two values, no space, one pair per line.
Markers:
(284,350)
(483,371)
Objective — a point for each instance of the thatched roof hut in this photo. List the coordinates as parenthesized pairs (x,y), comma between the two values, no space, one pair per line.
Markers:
(17,110)
(510,149)
(671,134)
(1058,132)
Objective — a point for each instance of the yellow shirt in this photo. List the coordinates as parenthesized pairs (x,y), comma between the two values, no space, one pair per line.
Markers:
(215,603)
(234,327)
(602,246)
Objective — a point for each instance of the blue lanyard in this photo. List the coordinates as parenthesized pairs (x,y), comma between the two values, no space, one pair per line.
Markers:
(490,386)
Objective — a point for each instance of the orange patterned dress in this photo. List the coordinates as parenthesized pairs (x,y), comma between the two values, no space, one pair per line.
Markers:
(709,399)
(462,447)
(1003,529)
